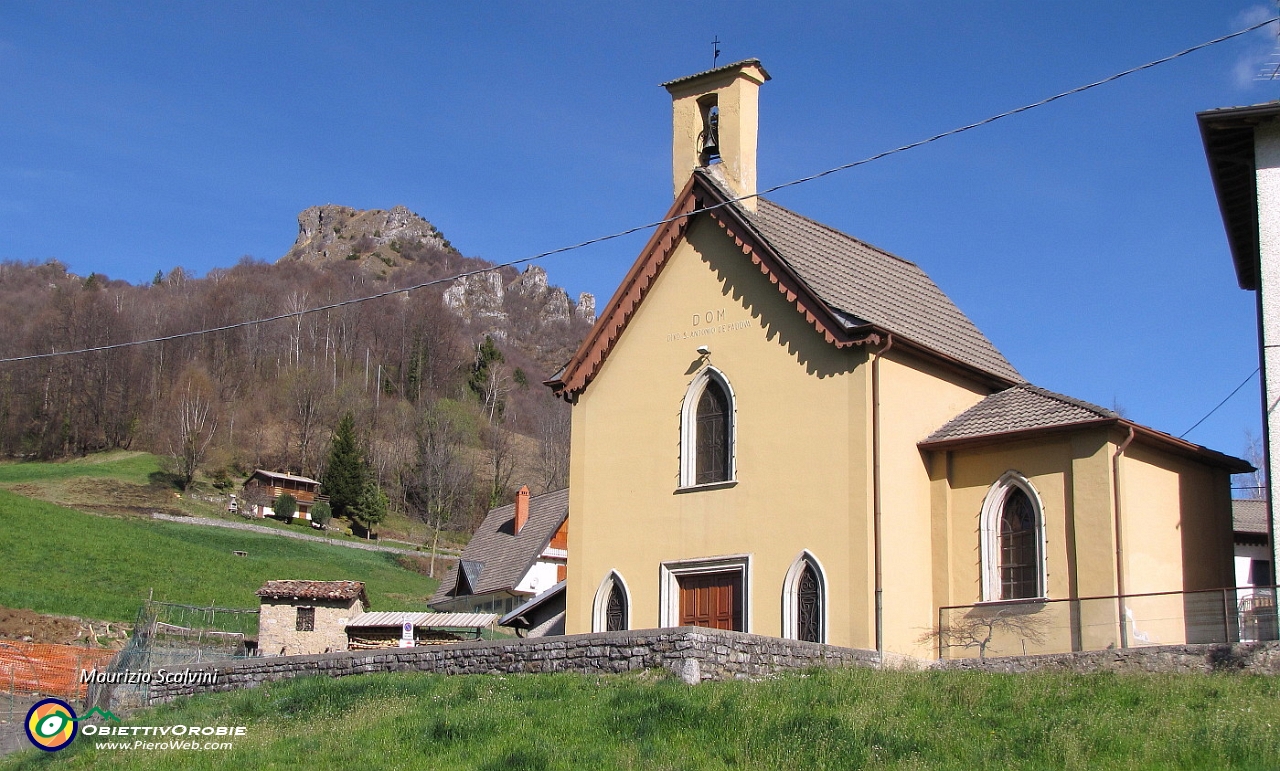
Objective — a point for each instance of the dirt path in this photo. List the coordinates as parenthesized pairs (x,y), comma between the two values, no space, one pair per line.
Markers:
(206,522)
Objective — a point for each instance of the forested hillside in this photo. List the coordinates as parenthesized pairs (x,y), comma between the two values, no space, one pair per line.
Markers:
(444,382)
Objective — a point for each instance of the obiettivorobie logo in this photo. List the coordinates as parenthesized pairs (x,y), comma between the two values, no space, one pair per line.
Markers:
(52,723)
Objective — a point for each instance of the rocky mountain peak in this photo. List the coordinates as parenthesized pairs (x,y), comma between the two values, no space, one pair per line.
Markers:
(378,239)
(503,303)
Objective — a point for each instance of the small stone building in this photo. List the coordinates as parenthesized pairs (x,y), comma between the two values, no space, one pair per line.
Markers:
(301,617)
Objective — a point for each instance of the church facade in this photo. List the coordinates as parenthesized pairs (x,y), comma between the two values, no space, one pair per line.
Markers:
(783,430)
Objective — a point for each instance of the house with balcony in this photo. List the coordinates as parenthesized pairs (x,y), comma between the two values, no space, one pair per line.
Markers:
(264,487)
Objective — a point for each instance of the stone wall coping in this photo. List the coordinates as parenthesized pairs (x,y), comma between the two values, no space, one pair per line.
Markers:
(1255,657)
(694,654)
(629,637)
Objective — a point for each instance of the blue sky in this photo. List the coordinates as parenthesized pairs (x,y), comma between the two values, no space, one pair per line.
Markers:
(1082,237)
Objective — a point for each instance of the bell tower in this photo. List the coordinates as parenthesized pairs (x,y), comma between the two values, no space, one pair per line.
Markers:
(715,121)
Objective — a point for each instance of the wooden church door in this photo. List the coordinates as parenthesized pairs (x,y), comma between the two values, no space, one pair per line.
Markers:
(712,600)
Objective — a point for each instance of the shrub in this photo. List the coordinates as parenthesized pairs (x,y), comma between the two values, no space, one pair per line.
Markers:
(321,513)
(285,506)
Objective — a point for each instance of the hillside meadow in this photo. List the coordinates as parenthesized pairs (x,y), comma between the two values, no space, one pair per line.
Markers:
(835,719)
(61,561)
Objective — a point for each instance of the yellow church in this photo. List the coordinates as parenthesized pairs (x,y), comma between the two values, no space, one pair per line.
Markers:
(782,430)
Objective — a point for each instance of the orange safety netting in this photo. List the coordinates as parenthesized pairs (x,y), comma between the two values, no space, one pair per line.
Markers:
(46,668)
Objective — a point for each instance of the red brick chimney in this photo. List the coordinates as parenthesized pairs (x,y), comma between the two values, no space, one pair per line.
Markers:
(522,507)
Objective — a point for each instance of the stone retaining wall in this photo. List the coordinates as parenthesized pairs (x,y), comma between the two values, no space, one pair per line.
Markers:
(1257,658)
(695,654)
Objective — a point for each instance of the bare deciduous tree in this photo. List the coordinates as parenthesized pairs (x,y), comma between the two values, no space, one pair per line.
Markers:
(500,443)
(442,482)
(1254,485)
(194,424)
(553,443)
(980,625)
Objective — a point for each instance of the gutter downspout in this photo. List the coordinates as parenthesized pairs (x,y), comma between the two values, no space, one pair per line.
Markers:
(1115,480)
(875,491)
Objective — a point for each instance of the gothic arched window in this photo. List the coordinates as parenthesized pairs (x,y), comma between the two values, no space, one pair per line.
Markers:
(804,601)
(615,610)
(1012,541)
(707,428)
(612,611)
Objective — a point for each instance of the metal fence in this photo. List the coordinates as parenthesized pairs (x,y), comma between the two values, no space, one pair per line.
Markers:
(32,671)
(172,636)
(1040,626)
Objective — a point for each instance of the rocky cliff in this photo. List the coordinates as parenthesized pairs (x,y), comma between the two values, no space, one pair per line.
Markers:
(375,238)
(519,307)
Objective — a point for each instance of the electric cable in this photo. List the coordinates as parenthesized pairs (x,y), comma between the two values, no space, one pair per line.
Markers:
(1224,401)
(656,223)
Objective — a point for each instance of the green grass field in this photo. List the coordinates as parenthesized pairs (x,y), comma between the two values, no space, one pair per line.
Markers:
(131,483)
(134,467)
(846,719)
(56,560)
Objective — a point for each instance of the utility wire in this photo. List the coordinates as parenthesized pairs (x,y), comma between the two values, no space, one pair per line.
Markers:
(1224,401)
(656,223)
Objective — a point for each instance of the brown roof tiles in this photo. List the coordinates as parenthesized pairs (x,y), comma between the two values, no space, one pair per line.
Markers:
(851,292)
(1249,515)
(313,590)
(1021,408)
(497,557)
(1028,410)
(876,287)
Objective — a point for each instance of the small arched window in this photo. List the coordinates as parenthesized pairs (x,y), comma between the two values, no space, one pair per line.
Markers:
(1012,541)
(707,427)
(615,610)
(612,612)
(713,435)
(804,601)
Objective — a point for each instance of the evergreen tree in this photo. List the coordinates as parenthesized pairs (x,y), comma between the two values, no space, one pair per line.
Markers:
(371,507)
(487,379)
(321,513)
(487,355)
(285,506)
(344,476)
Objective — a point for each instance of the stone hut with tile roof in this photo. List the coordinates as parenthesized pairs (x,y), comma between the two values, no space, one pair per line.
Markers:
(518,552)
(303,617)
(781,429)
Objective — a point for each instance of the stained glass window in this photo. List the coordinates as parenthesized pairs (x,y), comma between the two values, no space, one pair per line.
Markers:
(808,606)
(1019,548)
(615,612)
(712,440)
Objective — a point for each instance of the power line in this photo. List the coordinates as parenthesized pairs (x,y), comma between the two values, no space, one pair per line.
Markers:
(1224,401)
(1024,108)
(657,223)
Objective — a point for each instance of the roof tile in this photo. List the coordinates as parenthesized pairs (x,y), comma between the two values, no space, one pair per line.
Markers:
(505,556)
(1249,515)
(313,590)
(874,286)
(1020,408)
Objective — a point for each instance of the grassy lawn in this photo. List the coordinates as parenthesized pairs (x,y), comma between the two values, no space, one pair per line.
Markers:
(133,467)
(820,720)
(118,483)
(127,483)
(56,560)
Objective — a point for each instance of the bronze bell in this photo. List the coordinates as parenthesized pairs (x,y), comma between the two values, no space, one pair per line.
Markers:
(710,137)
